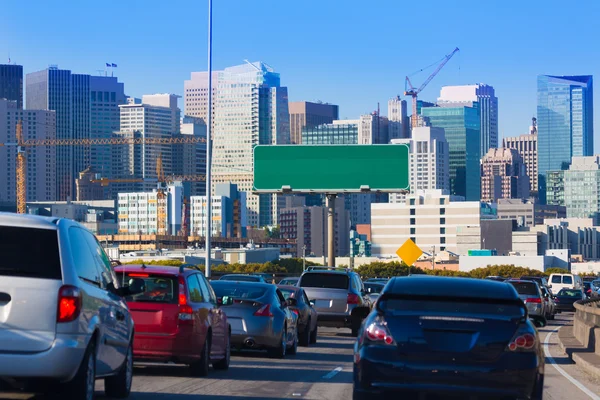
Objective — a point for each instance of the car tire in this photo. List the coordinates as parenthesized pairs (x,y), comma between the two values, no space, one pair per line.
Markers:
(306,335)
(200,367)
(82,386)
(293,350)
(538,389)
(358,395)
(223,363)
(313,335)
(119,385)
(279,351)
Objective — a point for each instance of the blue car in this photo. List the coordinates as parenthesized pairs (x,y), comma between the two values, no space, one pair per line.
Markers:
(446,337)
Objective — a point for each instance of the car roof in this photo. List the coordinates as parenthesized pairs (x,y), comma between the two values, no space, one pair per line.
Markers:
(328,271)
(150,269)
(243,283)
(289,287)
(28,221)
(441,286)
(256,275)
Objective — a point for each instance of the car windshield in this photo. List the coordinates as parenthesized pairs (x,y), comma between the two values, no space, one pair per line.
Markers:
(290,281)
(28,252)
(288,293)
(596,284)
(451,306)
(239,292)
(528,288)
(570,293)
(241,278)
(373,288)
(159,289)
(329,281)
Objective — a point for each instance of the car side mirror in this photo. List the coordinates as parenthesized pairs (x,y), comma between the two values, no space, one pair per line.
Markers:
(292,302)
(549,286)
(312,303)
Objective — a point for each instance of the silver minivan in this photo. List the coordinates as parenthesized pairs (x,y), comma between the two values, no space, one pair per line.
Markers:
(63,319)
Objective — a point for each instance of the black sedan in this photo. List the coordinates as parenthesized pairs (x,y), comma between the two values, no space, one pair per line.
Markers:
(307,316)
(448,336)
(566,298)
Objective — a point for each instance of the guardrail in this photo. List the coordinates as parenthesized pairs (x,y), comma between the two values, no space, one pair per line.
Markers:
(586,324)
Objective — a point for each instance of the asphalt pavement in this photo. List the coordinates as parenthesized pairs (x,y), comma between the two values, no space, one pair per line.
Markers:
(322,371)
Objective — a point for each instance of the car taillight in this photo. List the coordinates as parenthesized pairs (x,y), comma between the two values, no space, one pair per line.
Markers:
(522,342)
(536,300)
(556,300)
(295,311)
(186,312)
(264,311)
(378,332)
(353,298)
(69,303)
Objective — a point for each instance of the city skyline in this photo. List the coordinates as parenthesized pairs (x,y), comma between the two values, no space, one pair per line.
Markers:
(166,63)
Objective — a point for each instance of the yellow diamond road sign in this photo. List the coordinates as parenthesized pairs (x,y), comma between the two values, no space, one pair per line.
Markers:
(409,252)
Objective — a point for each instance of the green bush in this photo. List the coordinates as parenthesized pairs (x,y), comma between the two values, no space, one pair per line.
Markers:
(389,269)
(507,271)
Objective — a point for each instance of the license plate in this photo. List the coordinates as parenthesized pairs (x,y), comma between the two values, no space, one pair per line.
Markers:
(323,304)
(237,325)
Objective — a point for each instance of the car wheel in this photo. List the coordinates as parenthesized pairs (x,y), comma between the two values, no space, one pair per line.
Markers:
(83,385)
(224,362)
(313,335)
(119,386)
(306,335)
(200,367)
(294,347)
(358,395)
(538,389)
(279,352)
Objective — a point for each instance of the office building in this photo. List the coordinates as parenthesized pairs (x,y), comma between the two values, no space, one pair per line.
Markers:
(428,218)
(526,145)
(89,185)
(564,122)
(528,213)
(100,217)
(228,213)
(41,161)
(462,129)
(304,114)
(368,129)
(485,96)
(11,83)
(190,159)
(429,161)
(156,116)
(308,226)
(503,176)
(399,123)
(106,94)
(196,95)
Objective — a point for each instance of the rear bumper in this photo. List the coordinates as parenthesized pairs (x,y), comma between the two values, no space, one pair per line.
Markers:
(565,307)
(178,347)
(334,320)
(59,362)
(514,376)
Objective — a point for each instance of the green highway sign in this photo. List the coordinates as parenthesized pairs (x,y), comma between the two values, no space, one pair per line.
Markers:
(331,168)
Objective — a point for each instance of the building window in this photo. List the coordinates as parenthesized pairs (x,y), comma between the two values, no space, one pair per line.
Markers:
(412,202)
(412,211)
(412,221)
(442,221)
(414,239)
(412,231)
(442,240)
(442,201)
(442,231)
(442,211)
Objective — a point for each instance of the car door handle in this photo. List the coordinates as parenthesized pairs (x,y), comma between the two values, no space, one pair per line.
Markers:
(120,316)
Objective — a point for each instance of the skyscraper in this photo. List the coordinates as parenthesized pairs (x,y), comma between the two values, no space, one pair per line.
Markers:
(251,108)
(196,94)
(398,119)
(565,122)
(304,114)
(11,83)
(485,96)
(503,176)
(462,128)
(526,145)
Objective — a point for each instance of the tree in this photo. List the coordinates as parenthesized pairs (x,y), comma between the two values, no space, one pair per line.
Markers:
(556,270)
(507,271)
(389,269)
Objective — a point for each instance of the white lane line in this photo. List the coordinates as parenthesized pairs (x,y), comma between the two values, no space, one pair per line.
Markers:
(338,370)
(574,381)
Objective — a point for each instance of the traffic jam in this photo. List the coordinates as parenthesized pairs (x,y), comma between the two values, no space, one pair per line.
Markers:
(70,317)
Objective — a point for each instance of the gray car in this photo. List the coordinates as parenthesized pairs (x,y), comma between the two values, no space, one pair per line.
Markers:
(530,293)
(259,316)
(338,295)
(243,278)
(62,315)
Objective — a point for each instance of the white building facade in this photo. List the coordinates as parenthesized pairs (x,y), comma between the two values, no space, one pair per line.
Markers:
(199,215)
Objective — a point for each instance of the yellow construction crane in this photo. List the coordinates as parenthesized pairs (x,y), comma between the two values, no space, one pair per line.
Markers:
(22,146)
(410,90)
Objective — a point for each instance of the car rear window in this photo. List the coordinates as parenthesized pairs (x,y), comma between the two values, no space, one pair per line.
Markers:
(556,279)
(525,287)
(567,279)
(370,288)
(329,281)
(241,278)
(569,293)
(159,289)
(288,293)
(451,306)
(31,253)
(239,292)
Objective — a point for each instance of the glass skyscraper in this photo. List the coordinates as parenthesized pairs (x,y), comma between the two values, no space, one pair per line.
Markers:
(463,134)
(564,122)
(11,83)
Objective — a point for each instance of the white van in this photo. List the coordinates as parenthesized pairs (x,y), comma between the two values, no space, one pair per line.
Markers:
(564,281)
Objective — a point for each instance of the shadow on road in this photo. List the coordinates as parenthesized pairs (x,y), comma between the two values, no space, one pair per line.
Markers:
(167,396)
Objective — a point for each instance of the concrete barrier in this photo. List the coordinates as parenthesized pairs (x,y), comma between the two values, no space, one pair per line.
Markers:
(586,324)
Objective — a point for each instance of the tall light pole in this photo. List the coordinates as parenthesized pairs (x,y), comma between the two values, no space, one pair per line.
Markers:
(303,258)
(209,148)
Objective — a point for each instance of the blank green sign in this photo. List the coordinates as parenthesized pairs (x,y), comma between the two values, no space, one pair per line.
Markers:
(331,167)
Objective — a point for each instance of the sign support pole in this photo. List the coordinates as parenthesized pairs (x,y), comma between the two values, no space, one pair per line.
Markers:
(331,230)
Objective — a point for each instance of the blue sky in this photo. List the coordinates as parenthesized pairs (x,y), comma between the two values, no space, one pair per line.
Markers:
(354,53)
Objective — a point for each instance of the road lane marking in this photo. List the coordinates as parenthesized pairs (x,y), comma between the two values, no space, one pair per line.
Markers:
(574,381)
(338,370)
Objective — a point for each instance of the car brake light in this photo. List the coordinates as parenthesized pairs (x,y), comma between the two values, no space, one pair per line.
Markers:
(378,331)
(536,300)
(353,298)
(522,342)
(69,303)
(295,312)
(556,300)
(139,275)
(264,311)
(186,312)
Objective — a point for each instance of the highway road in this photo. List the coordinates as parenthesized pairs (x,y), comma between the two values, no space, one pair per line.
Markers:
(323,371)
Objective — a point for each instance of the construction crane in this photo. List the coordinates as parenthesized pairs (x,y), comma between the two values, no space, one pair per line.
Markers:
(409,89)
(22,146)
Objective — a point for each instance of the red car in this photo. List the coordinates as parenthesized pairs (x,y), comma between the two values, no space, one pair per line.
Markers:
(177,318)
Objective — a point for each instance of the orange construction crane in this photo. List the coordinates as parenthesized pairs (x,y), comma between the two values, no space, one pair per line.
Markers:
(22,146)
(409,89)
